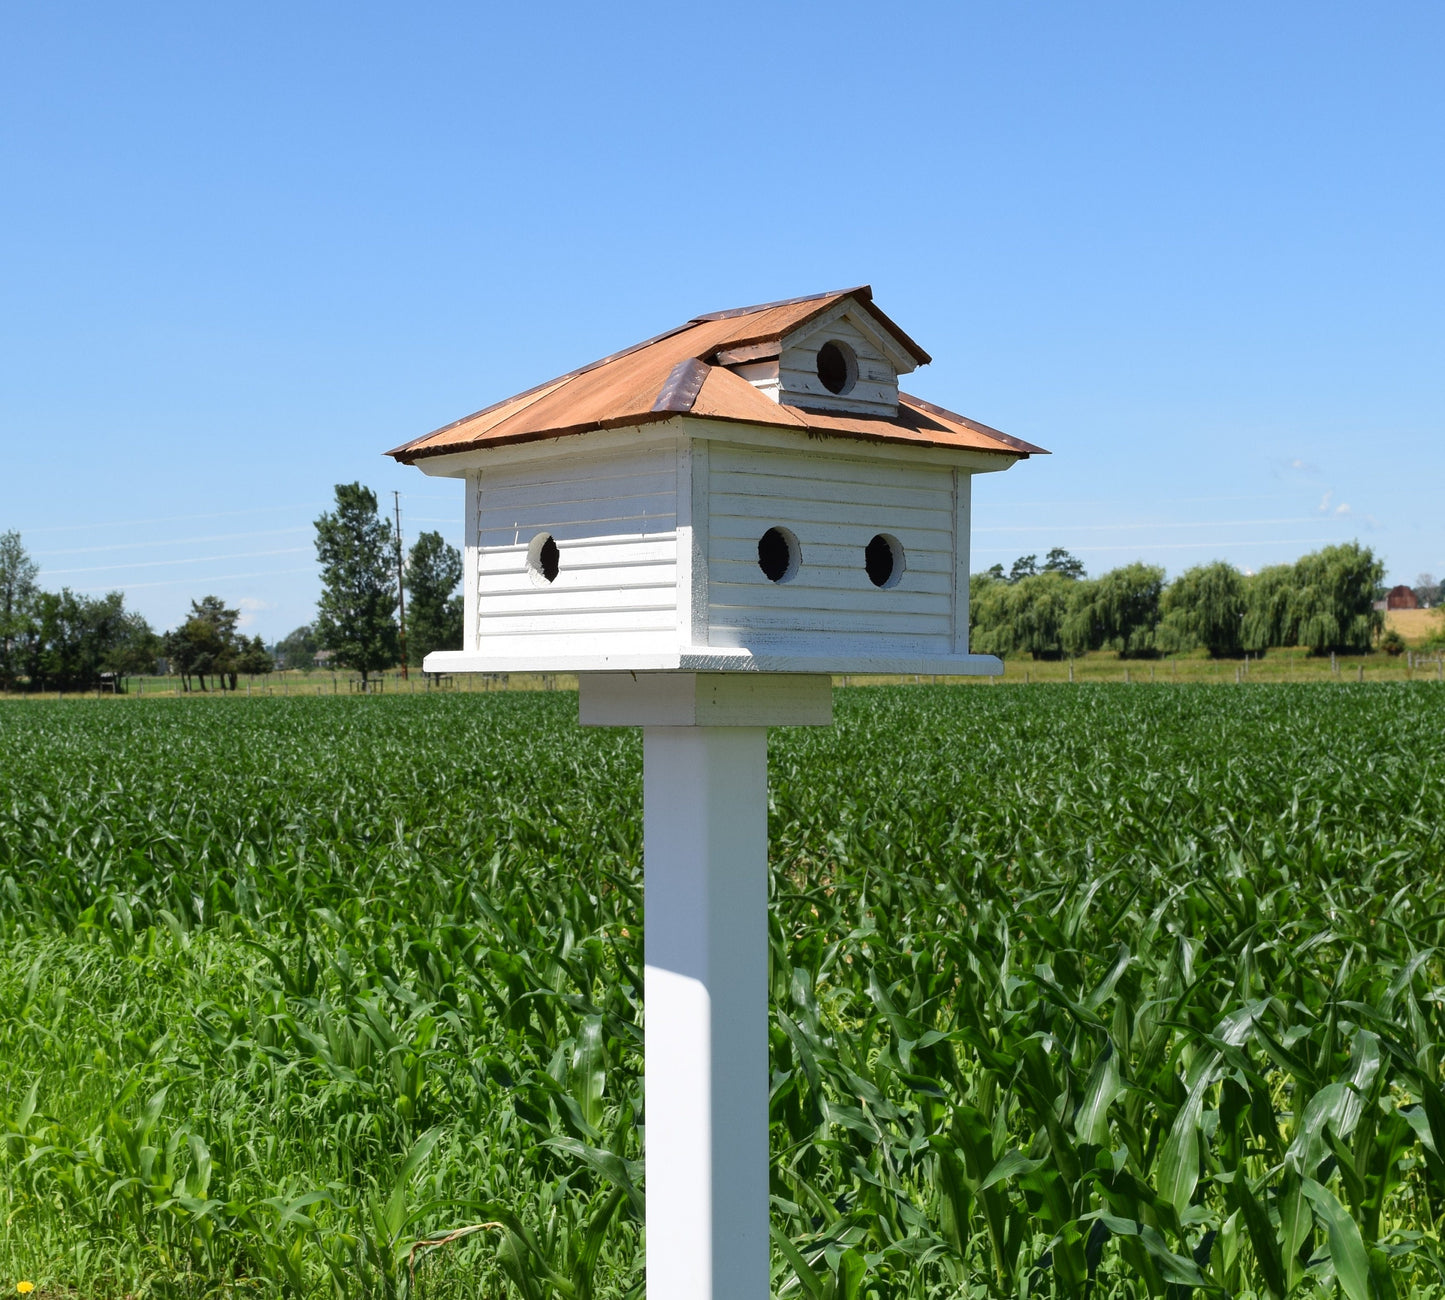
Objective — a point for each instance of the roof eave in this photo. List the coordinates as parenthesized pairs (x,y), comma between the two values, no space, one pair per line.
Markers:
(529,435)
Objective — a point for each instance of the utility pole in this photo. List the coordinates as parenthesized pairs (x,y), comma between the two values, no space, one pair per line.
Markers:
(400,583)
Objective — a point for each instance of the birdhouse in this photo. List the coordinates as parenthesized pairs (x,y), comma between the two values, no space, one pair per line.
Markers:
(748,492)
(704,527)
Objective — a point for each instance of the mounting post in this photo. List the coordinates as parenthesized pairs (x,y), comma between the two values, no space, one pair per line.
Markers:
(705,834)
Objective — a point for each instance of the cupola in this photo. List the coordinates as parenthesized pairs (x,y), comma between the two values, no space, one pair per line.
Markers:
(750,491)
(846,359)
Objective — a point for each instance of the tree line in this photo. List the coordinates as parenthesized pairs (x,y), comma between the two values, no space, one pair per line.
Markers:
(1324,601)
(68,640)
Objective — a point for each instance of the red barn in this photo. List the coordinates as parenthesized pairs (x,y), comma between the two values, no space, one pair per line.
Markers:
(1401,597)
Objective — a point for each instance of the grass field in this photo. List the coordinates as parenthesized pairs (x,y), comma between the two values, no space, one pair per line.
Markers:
(1073,988)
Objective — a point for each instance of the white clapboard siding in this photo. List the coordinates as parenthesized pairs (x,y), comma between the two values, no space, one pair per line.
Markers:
(838,582)
(930,567)
(834,506)
(614,519)
(585,553)
(876,390)
(624,621)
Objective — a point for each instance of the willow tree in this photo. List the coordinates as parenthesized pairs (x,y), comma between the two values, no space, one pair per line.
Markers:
(1118,611)
(1029,616)
(1335,593)
(1204,606)
(1270,614)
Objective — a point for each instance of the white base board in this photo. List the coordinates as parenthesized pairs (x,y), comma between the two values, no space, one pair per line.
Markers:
(706,659)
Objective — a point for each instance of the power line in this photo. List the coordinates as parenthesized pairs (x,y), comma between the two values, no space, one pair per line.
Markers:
(1107,528)
(400,586)
(168,519)
(161,564)
(175,541)
(197,582)
(1171,546)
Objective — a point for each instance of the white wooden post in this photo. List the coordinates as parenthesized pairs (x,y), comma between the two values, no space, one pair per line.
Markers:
(705,834)
(705,828)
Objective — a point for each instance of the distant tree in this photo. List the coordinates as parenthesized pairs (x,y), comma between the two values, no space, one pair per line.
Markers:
(1270,618)
(135,649)
(206,644)
(297,649)
(979,585)
(73,638)
(1118,611)
(1336,589)
(1026,566)
(17,606)
(1427,590)
(252,658)
(1061,562)
(356,615)
(1204,606)
(214,627)
(434,614)
(1026,617)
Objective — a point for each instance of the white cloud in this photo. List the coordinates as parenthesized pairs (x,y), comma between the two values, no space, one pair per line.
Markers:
(250,606)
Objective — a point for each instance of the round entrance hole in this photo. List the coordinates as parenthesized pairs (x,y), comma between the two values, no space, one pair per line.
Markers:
(837,367)
(778,554)
(543,559)
(883,560)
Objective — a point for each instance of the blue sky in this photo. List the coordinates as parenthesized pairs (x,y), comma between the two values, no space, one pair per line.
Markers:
(1194,250)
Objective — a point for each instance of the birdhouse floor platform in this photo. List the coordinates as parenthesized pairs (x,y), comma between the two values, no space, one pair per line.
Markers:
(710,659)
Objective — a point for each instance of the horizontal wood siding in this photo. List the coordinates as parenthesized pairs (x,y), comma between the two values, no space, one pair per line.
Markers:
(614,519)
(834,506)
(876,391)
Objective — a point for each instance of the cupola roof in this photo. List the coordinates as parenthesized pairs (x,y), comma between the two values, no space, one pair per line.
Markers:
(686,371)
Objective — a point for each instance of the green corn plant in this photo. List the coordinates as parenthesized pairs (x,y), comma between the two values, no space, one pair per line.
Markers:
(1094,993)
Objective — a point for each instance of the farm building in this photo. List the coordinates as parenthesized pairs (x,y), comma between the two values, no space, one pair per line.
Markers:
(748,491)
(1401,597)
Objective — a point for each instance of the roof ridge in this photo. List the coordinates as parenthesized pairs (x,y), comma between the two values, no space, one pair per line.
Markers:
(864,291)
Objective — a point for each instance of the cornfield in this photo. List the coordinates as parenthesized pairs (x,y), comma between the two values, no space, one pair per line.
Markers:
(1075,992)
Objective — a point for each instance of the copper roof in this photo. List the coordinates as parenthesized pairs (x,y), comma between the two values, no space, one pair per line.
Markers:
(680,373)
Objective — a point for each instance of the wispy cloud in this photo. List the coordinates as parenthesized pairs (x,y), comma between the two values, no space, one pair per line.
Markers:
(250,606)
(1344,510)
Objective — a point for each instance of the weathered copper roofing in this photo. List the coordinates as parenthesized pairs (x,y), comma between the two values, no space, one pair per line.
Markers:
(684,372)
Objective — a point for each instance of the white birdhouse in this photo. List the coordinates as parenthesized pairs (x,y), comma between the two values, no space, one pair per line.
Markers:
(750,491)
(703,527)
